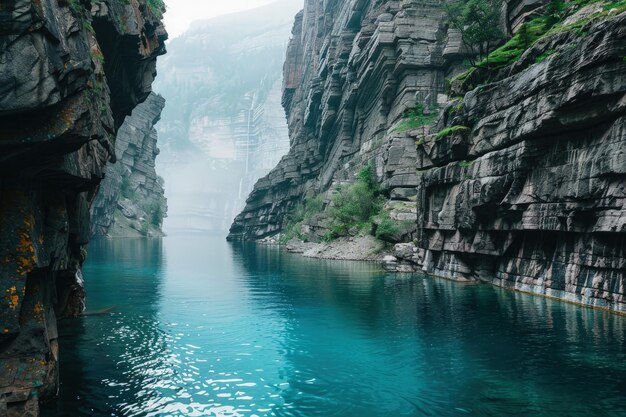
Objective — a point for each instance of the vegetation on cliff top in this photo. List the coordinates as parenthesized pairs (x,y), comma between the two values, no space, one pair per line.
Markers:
(547,24)
(479,24)
(156,7)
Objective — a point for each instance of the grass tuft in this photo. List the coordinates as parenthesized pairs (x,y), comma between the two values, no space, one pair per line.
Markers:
(416,117)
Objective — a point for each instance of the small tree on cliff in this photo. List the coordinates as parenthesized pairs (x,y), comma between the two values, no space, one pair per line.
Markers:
(479,24)
(554,12)
(524,36)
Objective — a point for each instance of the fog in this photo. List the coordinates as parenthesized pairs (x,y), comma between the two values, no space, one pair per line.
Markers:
(180,13)
(223,126)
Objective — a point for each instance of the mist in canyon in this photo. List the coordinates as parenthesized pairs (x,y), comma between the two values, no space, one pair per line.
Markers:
(224,126)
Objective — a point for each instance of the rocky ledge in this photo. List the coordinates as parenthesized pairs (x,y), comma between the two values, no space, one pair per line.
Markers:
(513,175)
(70,72)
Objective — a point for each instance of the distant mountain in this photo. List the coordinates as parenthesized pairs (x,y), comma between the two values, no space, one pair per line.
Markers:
(222,81)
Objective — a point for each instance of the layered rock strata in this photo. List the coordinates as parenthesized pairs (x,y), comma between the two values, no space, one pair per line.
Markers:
(131,199)
(352,69)
(228,127)
(533,195)
(70,72)
(519,181)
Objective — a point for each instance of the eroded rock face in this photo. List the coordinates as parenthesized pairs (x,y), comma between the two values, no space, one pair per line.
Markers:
(131,199)
(535,198)
(527,189)
(70,71)
(352,70)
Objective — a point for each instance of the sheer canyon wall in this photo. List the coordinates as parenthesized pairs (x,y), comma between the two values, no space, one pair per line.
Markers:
(131,199)
(512,174)
(70,72)
(228,127)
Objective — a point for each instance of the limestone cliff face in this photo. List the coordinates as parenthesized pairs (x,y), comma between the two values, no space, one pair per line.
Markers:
(228,127)
(525,188)
(70,72)
(532,195)
(131,199)
(352,69)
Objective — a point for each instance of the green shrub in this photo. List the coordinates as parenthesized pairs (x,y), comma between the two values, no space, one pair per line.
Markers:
(387,227)
(75,7)
(466,164)
(619,5)
(478,21)
(450,130)
(155,213)
(417,117)
(88,27)
(517,45)
(302,213)
(454,109)
(356,204)
(145,227)
(157,7)
(291,231)
(555,11)
(545,55)
(391,230)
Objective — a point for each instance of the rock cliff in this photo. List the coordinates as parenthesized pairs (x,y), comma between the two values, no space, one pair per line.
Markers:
(70,72)
(228,127)
(352,70)
(513,175)
(131,199)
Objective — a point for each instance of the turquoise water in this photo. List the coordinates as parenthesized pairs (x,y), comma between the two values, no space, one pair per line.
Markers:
(205,328)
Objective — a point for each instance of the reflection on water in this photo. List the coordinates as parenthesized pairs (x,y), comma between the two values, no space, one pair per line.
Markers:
(204,328)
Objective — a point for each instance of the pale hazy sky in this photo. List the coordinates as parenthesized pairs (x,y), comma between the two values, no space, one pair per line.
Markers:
(180,13)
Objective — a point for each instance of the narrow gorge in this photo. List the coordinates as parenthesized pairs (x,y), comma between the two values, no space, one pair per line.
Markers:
(225,127)
(70,72)
(511,171)
(473,152)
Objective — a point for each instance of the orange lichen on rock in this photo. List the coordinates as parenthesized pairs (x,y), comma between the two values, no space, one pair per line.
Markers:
(13,297)
(38,309)
(26,259)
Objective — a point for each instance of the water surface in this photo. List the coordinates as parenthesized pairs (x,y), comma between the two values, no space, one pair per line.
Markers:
(205,328)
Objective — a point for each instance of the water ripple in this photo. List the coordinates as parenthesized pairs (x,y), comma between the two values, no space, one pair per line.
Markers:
(205,329)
